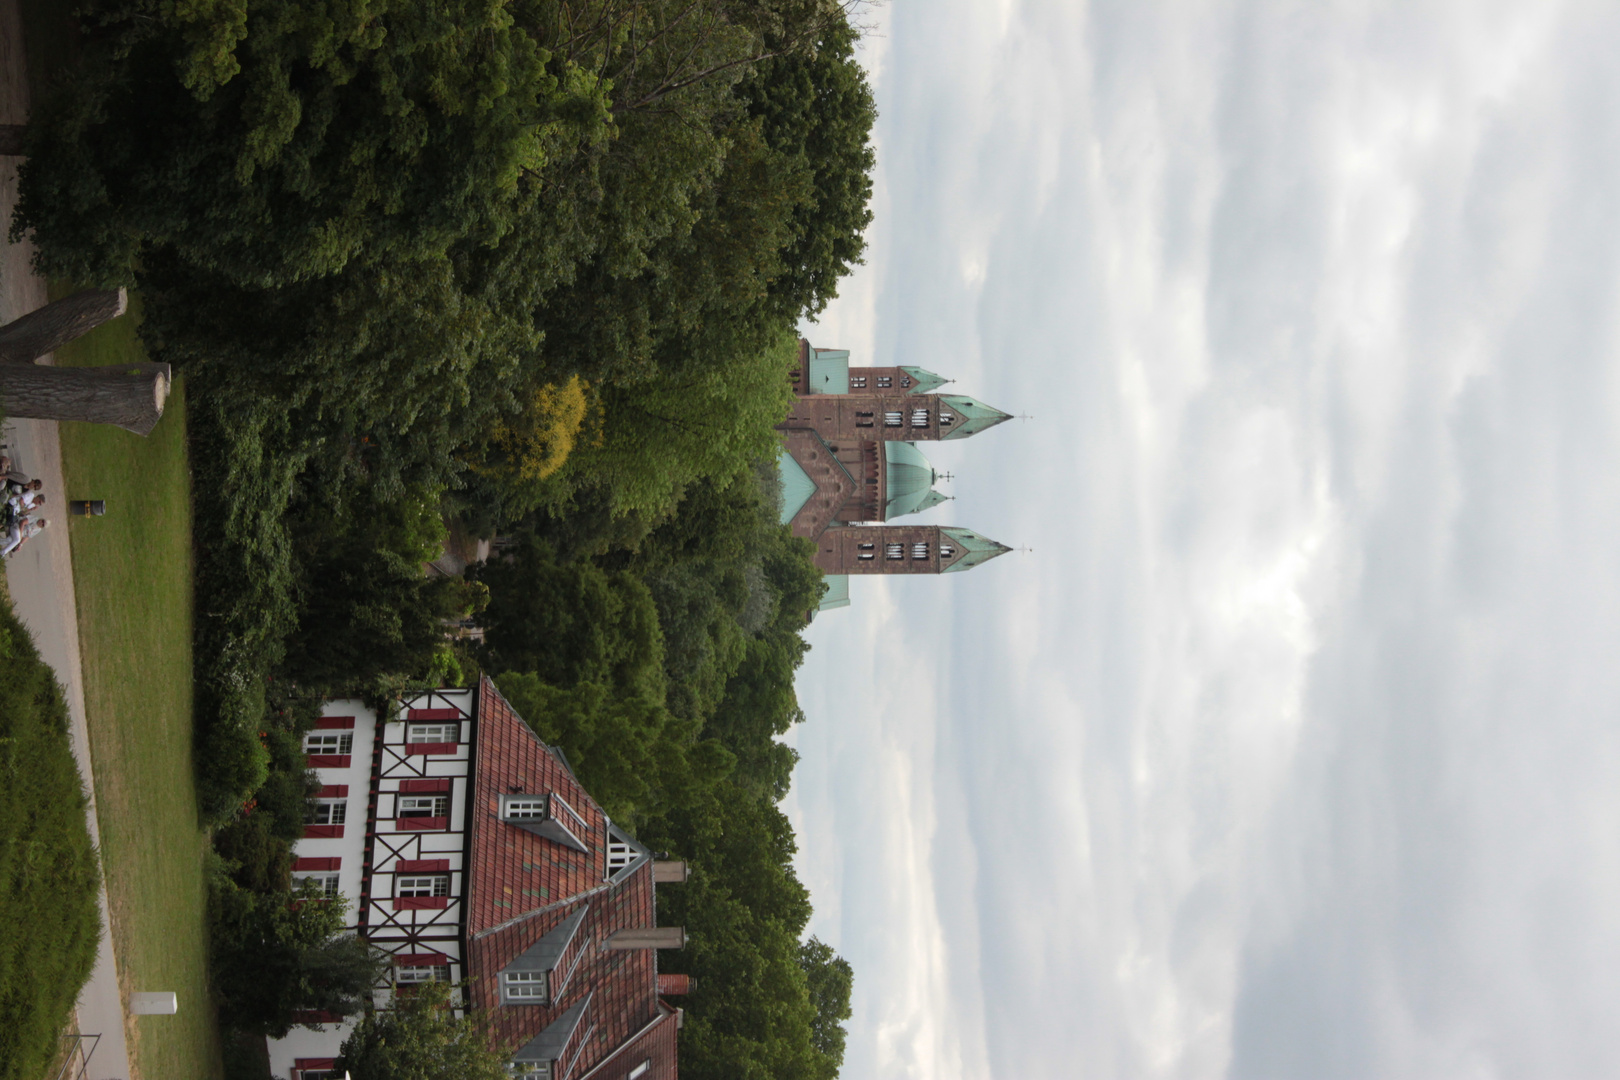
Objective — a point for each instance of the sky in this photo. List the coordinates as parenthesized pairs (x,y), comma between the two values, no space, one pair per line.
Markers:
(1290,748)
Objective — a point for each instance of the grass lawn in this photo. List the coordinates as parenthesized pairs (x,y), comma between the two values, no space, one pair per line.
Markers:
(132,575)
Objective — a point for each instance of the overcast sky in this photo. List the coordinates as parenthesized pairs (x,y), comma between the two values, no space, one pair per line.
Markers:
(1292,748)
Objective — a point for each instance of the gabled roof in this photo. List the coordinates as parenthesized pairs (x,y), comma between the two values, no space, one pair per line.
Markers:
(923,381)
(972,416)
(797,487)
(524,889)
(975,549)
(834,484)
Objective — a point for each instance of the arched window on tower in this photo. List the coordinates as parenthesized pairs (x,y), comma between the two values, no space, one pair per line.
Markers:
(892,419)
(919,551)
(947,551)
(919,417)
(885,381)
(947,419)
(894,551)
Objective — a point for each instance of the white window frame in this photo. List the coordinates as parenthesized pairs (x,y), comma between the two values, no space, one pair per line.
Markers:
(446,732)
(421,886)
(640,1070)
(328,882)
(438,805)
(417,974)
(328,812)
(328,742)
(525,808)
(527,986)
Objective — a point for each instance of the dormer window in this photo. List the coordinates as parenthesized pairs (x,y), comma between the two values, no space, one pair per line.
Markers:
(549,816)
(540,974)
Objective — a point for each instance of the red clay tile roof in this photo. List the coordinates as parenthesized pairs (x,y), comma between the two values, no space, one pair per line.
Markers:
(520,885)
(655,1044)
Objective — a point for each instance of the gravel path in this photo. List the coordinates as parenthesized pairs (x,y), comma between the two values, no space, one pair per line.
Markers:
(40,575)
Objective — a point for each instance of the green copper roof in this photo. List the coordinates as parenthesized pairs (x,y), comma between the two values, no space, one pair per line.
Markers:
(974,549)
(910,480)
(924,381)
(837,594)
(797,487)
(972,416)
(829,371)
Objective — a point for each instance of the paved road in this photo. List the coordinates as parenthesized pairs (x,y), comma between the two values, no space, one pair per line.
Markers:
(40,575)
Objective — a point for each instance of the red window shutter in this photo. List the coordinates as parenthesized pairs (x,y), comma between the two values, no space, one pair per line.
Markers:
(421,824)
(421,959)
(433,714)
(335,722)
(329,761)
(430,784)
(421,903)
(422,866)
(333,791)
(431,747)
(323,832)
(317,864)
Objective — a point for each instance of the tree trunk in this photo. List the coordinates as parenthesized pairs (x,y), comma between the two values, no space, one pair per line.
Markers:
(11,139)
(56,324)
(129,395)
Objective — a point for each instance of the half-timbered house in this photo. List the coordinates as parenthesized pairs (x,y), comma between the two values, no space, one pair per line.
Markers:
(469,853)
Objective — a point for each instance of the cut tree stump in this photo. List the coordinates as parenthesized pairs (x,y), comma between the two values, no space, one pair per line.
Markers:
(128,395)
(11,139)
(24,340)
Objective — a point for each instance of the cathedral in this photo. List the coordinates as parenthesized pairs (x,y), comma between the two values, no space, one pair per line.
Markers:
(850,466)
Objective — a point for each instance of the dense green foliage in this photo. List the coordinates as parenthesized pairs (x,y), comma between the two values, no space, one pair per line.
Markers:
(48,871)
(278,953)
(421,1039)
(530,264)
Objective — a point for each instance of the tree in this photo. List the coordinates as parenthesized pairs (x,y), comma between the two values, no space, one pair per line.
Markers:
(275,955)
(421,1039)
(128,395)
(831,980)
(571,623)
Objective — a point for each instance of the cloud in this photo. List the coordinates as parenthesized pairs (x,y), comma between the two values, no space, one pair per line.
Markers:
(1289,751)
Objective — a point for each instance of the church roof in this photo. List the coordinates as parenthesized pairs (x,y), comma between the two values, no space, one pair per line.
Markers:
(829,371)
(976,549)
(797,487)
(923,381)
(909,480)
(972,416)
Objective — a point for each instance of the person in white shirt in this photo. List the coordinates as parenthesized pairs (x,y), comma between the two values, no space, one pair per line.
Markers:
(19,533)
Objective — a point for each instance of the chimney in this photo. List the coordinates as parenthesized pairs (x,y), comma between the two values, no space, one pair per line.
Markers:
(648,937)
(670,984)
(669,872)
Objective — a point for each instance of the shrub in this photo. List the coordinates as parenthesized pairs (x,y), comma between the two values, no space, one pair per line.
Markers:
(48,867)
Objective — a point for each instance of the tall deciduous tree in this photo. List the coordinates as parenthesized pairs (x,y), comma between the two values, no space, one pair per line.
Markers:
(421,1039)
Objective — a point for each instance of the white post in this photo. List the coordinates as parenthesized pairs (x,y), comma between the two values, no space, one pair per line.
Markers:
(153,1004)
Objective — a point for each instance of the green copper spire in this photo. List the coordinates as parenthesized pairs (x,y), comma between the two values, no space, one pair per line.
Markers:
(972,549)
(972,416)
(923,381)
(909,480)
